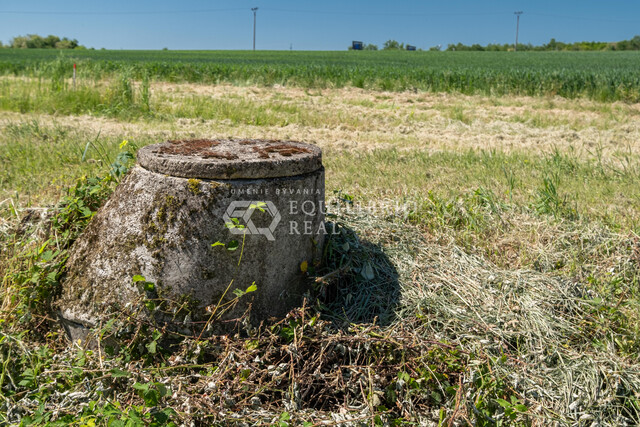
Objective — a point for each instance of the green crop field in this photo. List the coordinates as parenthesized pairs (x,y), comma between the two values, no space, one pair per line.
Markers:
(602,76)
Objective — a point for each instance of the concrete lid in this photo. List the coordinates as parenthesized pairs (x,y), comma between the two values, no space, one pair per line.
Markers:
(230,158)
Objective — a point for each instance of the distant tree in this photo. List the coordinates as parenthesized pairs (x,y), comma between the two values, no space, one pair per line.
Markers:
(34,41)
(552,45)
(371,47)
(65,43)
(19,42)
(493,47)
(435,48)
(51,40)
(622,45)
(392,45)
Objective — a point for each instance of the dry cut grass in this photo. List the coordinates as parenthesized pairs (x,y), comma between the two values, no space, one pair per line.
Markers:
(507,293)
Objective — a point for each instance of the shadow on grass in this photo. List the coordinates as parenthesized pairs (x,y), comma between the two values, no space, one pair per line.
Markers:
(358,282)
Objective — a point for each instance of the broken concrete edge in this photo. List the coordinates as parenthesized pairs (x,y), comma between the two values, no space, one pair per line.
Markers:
(85,336)
(227,159)
(76,332)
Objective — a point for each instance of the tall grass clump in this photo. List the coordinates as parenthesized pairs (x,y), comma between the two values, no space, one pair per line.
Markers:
(120,98)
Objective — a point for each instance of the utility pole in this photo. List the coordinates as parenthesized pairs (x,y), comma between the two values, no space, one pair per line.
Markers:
(515,48)
(254,9)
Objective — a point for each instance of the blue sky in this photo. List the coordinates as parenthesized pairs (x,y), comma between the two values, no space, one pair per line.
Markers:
(326,25)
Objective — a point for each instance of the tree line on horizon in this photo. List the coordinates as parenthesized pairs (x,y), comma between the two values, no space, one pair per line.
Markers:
(35,41)
(632,44)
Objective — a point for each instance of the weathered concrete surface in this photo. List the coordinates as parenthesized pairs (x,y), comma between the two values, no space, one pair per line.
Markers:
(163,227)
(231,159)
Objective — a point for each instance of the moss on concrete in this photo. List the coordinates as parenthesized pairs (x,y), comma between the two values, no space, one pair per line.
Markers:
(194,186)
(156,222)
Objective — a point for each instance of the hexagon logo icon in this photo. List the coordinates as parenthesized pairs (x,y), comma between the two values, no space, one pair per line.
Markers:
(244,209)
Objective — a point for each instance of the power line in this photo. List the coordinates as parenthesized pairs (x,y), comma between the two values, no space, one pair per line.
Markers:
(325,12)
(584,18)
(148,12)
(359,13)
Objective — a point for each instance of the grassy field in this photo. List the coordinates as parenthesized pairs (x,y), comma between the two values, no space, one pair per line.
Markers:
(487,272)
